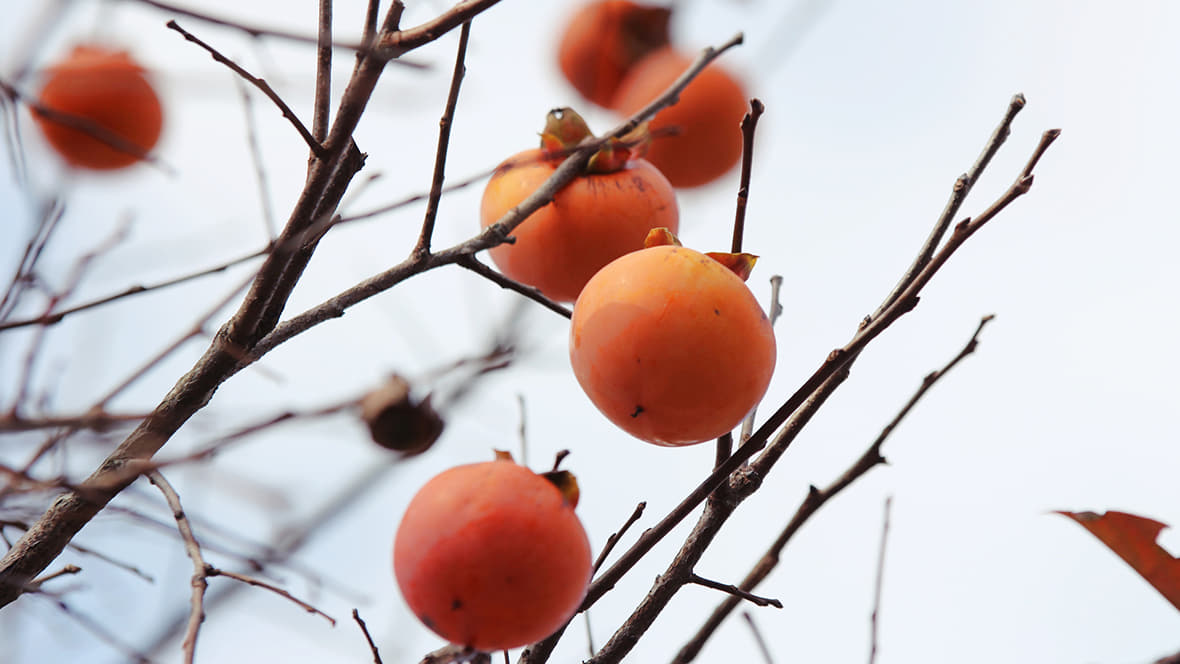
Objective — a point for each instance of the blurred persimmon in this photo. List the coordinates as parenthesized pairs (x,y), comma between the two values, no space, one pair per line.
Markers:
(100,110)
(707,138)
(603,39)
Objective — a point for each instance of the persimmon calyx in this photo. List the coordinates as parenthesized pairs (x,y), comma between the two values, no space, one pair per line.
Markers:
(660,237)
(566,483)
(565,130)
(740,264)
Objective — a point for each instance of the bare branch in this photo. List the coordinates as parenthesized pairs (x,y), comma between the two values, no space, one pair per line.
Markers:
(761,642)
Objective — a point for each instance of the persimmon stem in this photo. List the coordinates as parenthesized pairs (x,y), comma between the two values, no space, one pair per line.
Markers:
(749,124)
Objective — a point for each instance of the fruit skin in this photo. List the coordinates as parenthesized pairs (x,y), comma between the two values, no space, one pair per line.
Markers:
(491,556)
(594,220)
(108,88)
(602,40)
(708,117)
(671,346)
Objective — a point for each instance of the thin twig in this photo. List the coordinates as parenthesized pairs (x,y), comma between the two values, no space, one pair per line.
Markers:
(193,550)
(316,148)
(962,186)
(749,124)
(531,292)
(258,583)
(735,591)
(356,616)
(47,223)
(758,640)
(268,217)
(873,619)
(444,141)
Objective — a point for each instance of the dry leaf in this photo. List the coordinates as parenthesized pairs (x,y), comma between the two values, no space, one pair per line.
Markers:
(1133,539)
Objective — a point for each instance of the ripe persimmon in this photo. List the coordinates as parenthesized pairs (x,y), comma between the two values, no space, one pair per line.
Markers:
(671,345)
(603,39)
(708,140)
(108,90)
(492,556)
(603,214)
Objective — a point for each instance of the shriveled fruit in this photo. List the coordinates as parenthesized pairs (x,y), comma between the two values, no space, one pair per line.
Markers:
(601,215)
(112,115)
(671,345)
(492,556)
(707,119)
(603,39)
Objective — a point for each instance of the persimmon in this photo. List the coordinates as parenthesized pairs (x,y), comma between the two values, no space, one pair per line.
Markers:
(108,90)
(707,142)
(492,556)
(671,345)
(603,39)
(603,214)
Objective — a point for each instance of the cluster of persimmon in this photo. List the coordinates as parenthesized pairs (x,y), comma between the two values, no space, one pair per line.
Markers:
(98,109)
(617,54)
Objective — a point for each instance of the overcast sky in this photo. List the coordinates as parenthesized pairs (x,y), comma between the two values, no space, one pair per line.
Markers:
(873,109)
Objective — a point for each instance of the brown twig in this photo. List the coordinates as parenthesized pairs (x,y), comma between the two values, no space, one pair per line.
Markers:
(749,124)
(444,140)
(758,640)
(258,583)
(873,618)
(815,499)
(531,292)
(735,591)
(356,616)
(192,548)
(316,148)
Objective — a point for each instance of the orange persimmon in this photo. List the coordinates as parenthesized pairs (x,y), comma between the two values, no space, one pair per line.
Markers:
(108,90)
(671,345)
(603,39)
(492,556)
(708,139)
(603,214)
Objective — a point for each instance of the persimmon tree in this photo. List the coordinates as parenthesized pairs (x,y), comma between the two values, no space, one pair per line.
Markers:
(406,416)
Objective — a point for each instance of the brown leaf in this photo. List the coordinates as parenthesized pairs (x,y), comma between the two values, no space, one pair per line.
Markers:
(1133,539)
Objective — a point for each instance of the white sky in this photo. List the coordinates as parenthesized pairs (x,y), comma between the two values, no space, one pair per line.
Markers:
(873,110)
